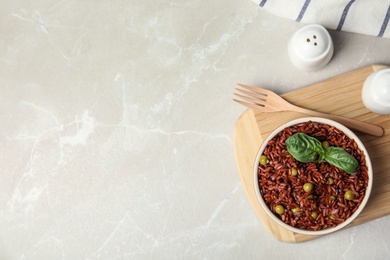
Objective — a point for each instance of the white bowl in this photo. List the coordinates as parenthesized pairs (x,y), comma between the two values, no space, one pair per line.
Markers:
(347,132)
(311,47)
(376,92)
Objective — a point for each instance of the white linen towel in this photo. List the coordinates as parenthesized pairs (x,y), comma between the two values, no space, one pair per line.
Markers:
(369,17)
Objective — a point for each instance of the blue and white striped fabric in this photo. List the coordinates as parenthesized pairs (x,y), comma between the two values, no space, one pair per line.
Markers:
(369,17)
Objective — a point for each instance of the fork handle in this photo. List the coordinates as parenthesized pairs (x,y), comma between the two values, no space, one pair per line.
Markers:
(361,126)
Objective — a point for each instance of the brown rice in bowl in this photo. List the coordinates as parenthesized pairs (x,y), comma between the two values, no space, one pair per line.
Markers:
(279,183)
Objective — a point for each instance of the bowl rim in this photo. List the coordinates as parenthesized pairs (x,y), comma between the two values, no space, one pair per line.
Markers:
(347,132)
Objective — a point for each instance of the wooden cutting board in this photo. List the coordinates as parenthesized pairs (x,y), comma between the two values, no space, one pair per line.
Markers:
(340,95)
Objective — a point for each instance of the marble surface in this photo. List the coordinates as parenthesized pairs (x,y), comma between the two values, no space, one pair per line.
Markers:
(116,134)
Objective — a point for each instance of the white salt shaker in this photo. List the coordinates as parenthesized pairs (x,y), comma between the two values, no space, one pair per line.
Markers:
(311,47)
(376,92)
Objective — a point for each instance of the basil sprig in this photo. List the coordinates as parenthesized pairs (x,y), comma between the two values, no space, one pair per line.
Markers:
(305,148)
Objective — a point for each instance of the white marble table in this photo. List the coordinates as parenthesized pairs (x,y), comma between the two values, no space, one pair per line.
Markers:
(116,136)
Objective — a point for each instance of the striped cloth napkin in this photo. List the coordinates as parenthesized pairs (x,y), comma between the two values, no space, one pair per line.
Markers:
(364,16)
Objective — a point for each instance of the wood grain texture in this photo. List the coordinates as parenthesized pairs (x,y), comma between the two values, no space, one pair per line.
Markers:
(340,95)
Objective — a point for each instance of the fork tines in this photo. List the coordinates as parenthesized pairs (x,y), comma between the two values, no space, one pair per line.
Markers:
(251,94)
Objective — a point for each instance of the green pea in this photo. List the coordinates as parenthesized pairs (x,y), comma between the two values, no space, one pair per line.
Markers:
(295,211)
(314,214)
(348,195)
(307,186)
(294,172)
(279,209)
(331,197)
(330,181)
(310,197)
(264,159)
(332,217)
(325,144)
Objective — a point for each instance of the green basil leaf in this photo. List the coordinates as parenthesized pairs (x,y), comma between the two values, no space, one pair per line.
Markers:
(340,158)
(304,148)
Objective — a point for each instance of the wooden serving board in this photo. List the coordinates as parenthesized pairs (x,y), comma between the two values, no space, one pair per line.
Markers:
(340,95)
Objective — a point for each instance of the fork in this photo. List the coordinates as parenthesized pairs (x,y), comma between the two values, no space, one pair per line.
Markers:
(265,100)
